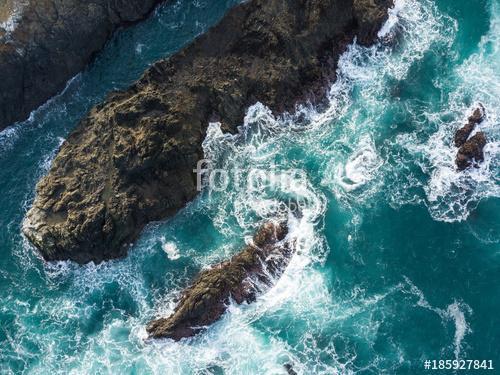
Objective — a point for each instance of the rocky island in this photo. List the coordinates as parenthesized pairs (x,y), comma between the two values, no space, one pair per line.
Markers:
(239,279)
(44,43)
(131,160)
(470,149)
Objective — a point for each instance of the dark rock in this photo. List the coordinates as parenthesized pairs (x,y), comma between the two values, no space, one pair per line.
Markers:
(239,278)
(289,369)
(131,160)
(478,114)
(464,132)
(52,41)
(471,151)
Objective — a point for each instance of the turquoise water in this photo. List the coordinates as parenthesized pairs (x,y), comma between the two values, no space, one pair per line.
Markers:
(398,255)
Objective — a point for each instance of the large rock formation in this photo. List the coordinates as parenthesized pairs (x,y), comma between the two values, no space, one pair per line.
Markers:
(43,43)
(470,149)
(131,160)
(239,279)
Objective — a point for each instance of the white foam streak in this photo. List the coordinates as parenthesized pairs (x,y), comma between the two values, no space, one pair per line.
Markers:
(455,312)
(392,20)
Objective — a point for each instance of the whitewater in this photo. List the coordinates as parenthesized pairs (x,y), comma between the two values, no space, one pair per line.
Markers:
(398,254)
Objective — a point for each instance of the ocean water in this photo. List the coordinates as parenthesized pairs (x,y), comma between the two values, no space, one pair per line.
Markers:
(398,255)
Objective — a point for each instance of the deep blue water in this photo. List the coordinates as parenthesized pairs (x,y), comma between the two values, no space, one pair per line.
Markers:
(398,254)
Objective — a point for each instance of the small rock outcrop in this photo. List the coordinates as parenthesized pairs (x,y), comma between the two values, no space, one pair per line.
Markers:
(289,369)
(464,132)
(241,278)
(46,42)
(131,160)
(471,152)
(470,149)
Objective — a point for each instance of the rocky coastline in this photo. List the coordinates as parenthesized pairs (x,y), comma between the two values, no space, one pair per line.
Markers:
(239,279)
(44,43)
(131,160)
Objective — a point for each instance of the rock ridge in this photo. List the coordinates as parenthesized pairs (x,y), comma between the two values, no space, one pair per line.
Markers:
(240,279)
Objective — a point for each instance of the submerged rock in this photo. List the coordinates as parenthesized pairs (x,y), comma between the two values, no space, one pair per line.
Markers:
(48,42)
(239,279)
(131,160)
(470,149)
